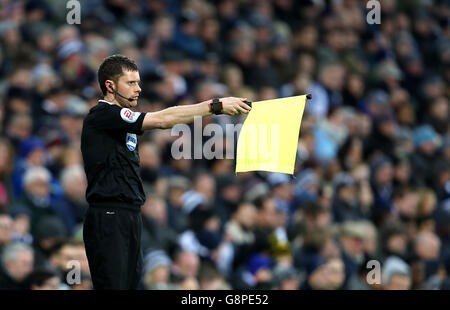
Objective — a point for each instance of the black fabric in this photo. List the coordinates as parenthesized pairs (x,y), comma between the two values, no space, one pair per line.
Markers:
(110,161)
(113,223)
(8,283)
(112,238)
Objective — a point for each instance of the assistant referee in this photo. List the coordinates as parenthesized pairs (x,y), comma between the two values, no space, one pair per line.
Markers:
(112,226)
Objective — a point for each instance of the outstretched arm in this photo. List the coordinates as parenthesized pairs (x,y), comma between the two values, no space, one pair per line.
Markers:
(185,114)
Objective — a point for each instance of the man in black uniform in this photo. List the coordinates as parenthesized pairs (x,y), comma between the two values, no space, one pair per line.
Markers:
(112,226)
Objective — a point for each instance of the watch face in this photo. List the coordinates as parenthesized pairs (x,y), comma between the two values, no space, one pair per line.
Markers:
(217,107)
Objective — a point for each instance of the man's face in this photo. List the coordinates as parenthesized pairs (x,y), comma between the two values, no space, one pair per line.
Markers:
(68,253)
(335,273)
(399,282)
(353,245)
(268,215)
(128,86)
(22,266)
(40,187)
(348,193)
(188,264)
(206,186)
(318,279)
(385,174)
(284,191)
(246,215)
(397,244)
(36,157)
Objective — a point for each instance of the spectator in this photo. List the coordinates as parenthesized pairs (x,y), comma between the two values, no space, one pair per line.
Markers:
(336,273)
(285,278)
(49,235)
(427,247)
(205,234)
(211,279)
(6,230)
(281,191)
(229,195)
(382,185)
(240,227)
(156,230)
(73,205)
(63,257)
(383,136)
(43,279)
(187,38)
(426,141)
(360,280)
(394,240)
(157,270)
(36,197)
(316,274)
(177,219)
(310,216)
(31,155)
(314,242)
(405,204)
(188,284)
(351,240)
(346,205)
(396,274)
(256,273)
(185,265)
(18,129)
(21,225)
(17,263)
(6,165)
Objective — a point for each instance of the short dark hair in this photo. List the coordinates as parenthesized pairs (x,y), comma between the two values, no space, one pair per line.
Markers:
(259,202)
(112,68)
(313,209)
(39,276)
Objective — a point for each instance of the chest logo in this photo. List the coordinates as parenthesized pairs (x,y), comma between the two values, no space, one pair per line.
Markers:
(131,141)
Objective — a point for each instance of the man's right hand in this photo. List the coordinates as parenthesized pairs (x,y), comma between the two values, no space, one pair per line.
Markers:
(234,106)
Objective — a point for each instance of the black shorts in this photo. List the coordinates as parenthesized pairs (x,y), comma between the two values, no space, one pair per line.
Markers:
(112,238)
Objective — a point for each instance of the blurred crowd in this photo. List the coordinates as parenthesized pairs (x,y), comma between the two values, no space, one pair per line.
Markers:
(367,208)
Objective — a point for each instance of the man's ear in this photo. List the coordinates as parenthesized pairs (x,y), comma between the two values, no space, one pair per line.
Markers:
(110,85)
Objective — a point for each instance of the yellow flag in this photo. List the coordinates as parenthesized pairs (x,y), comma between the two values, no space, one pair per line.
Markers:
(268,139)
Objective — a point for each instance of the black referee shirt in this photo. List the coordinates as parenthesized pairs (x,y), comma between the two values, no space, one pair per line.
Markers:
(111,157)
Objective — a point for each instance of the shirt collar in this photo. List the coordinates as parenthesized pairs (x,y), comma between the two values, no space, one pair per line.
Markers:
(106,101)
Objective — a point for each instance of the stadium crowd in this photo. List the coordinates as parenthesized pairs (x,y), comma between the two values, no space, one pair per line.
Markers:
(372,174)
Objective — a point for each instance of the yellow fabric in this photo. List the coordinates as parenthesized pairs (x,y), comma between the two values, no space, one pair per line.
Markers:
(268,139)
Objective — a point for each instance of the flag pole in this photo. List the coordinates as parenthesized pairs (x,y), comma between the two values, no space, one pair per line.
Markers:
(308,96)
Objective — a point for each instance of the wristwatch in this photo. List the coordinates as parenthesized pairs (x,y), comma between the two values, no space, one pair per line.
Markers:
(215,106)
